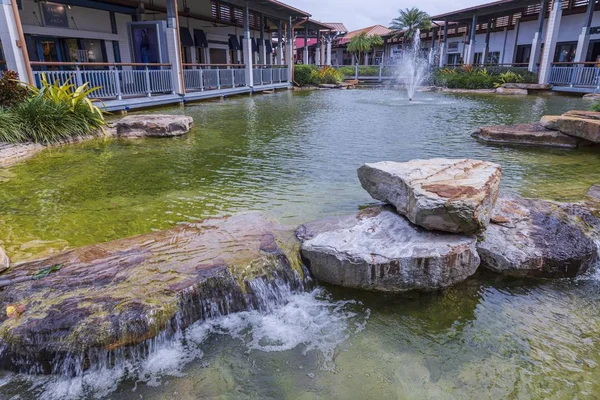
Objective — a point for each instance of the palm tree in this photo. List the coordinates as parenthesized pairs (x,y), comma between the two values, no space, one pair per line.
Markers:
(362,44)
(409,20)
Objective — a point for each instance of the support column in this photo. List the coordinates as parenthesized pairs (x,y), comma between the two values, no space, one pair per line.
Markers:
(328,61)
(536,45)
(305,48)
(444,50)
(502,57)
(289,51)
(322,50)
(433,46)
(516,46)
(279,43)
(263,46)
(550,42)
(367,58)
(13,43)
(471,50)
(318,50)
(174,47)
(584,38)
(486,49)
(248,51)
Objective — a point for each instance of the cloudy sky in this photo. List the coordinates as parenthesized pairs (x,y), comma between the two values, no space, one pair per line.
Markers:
(358,14)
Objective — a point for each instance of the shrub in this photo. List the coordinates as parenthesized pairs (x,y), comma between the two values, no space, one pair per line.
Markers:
(329,75)
(509,77)
(303,74)
(11,127)
(11,90)
(347,70)
(596,106)
(46,121)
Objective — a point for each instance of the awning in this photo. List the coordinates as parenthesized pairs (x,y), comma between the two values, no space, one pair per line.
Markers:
(233,43)
(200,38)
(186,37)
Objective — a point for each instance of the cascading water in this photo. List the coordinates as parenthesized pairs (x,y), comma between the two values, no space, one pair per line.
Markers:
(413,66)
(281,314)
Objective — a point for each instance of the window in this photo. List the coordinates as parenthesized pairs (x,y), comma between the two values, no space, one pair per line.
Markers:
(228,13)
(565,52)
(454,59)
(523,54)
(2,59)
(478,58)
(493,57)
(453,46)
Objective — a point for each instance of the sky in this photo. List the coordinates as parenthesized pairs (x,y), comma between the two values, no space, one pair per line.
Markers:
(357,14)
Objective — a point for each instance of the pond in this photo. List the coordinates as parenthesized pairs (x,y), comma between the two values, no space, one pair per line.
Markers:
(294,156)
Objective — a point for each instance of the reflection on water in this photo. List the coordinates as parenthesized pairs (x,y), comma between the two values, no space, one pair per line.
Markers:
(294,156)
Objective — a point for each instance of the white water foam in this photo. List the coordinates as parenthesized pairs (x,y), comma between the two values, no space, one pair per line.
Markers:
(308,319)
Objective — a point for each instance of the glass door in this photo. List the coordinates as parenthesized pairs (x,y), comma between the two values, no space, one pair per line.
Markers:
(48,50)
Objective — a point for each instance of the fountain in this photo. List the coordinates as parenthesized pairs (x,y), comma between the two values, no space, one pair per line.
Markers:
(413,66)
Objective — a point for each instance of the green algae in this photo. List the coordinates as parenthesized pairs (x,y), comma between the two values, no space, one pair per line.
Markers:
(291,155)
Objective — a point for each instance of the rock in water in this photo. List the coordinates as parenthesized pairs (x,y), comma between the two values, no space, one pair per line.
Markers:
(113,295)
(4,261)
(526,134)
(581,124)
(153,125)
(537,238)
(377,249)
(593,194)
(438,194)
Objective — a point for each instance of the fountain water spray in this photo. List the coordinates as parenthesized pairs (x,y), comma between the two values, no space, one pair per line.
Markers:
(413,66)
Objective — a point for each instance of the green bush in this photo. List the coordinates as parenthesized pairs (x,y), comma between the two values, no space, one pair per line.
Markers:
(469,77)
(303,74)
(11,90)
(45,121)
(596,106)
(347,71)
(465,81)
(363,70)
(11,127)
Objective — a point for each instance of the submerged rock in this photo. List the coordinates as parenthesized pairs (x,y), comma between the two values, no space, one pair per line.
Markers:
(121,293)
(512,91)
(537,238)
(593,194)
(437,194)
(377,249)
(153,125)
(4,261)
(526,134)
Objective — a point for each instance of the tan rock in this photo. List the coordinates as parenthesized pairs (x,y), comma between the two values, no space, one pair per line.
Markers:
(437,194)
(525,134)
(153,125)
(583,114)
(550,122)
(588,129)
(4,261)
(512,92)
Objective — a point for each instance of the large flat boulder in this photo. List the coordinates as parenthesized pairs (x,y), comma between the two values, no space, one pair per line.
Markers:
(119,294)
(512,91)
(153,125)
(577,124)
(377,249)
(526,134)
(527,86)
(437,194)
(537,238)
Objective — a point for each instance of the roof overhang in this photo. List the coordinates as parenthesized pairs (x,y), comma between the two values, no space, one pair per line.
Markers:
(489,10)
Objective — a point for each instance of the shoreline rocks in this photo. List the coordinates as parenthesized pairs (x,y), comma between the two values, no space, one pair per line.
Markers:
(377,249)
(536,238)
(437,194)
(525,134)
(119,294)
(570,130)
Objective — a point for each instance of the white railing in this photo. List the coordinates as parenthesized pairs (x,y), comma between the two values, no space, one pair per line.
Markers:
(222,76)
(575,74)
(266,74)
(118,81)
(213,76)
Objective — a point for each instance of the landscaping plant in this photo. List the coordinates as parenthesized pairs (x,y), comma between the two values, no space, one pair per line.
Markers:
(11,90)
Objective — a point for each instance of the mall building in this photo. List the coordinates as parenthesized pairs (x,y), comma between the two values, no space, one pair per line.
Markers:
(560,39)
(156,51)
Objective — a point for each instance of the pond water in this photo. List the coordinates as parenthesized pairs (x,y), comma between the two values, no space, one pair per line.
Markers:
(294,156)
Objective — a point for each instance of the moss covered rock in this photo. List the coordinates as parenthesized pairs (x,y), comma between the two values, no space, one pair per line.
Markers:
(121,293)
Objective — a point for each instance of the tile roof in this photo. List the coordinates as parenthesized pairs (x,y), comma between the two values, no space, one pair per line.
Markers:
(378,30)
(337,26)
